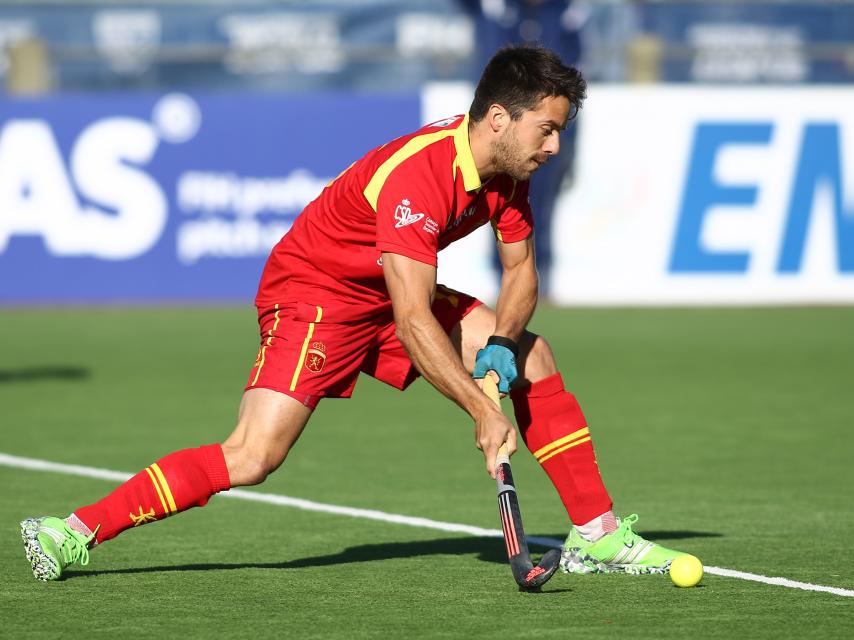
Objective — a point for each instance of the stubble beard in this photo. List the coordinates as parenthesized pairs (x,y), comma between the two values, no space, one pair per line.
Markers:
(508,158)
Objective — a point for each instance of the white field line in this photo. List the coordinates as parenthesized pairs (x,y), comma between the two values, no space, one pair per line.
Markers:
(370,514)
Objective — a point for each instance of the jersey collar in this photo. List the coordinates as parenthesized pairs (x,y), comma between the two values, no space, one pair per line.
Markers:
(465,160)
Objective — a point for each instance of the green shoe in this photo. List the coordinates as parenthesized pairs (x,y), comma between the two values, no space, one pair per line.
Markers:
(51,545)
(621,551)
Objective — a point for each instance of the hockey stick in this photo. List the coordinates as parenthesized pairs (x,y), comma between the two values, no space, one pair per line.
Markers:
(528,577)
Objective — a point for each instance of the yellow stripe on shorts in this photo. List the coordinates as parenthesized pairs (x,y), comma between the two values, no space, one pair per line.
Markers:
(305,344)
(264,348)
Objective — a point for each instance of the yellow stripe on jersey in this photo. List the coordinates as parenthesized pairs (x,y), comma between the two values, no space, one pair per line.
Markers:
(539,453)
(305,348)
(165,486)
(372,191)
(464,159)
(157,489)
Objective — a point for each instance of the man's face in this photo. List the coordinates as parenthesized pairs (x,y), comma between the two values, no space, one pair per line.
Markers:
(527,143)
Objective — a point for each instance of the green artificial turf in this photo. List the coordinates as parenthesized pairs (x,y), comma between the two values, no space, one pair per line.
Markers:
(728,431)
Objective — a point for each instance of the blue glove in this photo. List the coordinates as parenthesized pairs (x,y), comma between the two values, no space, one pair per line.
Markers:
(498,358)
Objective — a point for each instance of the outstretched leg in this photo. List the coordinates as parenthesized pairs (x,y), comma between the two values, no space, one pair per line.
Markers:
(268,426)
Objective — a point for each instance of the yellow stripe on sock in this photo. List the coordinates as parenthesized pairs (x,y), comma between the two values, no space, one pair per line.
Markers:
(562,449)
(561,441)
(157,489)
(305,348)
(166,490)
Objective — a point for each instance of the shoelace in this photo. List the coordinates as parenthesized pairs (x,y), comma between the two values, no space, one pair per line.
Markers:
(629,537)
(75,547)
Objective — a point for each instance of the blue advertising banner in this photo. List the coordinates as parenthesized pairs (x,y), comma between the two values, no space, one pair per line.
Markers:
(159,198)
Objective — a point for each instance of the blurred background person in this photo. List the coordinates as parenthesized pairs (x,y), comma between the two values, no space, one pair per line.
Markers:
(552,24)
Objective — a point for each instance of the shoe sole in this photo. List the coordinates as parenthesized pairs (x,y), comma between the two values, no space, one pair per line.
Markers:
(44,566)
(577,561)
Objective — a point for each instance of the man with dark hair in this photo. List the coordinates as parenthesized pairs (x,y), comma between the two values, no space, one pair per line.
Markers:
(553,24)
(352,288)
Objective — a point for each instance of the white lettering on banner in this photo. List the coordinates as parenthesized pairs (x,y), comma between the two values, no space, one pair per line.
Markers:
(124,211)
(227,239)
(212,192)
(98,164)
(736,52)
(227,206)
(275,41)
(36,196)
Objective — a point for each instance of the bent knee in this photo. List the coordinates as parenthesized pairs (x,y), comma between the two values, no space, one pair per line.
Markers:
(249,465)
(538,360)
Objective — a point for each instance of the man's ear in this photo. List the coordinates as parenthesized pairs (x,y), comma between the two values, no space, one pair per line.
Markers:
(497,118)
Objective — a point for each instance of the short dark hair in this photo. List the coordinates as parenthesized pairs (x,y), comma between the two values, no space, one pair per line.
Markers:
(518,77)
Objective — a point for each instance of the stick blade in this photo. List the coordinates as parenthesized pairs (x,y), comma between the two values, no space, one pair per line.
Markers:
(530,577)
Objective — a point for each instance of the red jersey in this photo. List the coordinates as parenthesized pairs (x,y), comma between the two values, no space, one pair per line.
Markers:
(412,196)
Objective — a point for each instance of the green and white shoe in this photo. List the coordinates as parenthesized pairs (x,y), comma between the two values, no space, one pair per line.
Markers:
(621,551)
(51,545)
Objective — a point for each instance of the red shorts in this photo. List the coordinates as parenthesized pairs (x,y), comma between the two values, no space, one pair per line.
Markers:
(309,359)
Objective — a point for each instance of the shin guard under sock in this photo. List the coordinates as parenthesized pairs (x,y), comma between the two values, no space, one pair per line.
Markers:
(554,429)
(181,480)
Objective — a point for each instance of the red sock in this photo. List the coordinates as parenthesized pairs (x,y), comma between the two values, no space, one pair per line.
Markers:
(181,480)
(554,429)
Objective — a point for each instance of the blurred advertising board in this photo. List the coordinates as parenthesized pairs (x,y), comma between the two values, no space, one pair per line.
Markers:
(709,196)
(130,198)
(680,195)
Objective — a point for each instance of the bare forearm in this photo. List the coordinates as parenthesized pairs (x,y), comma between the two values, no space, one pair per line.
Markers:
(433,355)
(517,300)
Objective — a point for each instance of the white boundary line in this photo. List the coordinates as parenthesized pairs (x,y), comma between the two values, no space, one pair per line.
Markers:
(369,514)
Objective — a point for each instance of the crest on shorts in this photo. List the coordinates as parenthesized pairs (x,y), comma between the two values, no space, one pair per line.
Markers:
(315,357)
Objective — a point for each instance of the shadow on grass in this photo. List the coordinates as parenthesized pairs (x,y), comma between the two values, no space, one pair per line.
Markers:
(36,374)
(486,550)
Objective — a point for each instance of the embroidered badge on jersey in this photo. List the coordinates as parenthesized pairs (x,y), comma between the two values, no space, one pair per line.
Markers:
(404,216)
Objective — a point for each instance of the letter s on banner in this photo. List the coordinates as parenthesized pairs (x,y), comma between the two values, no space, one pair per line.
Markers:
(98,166)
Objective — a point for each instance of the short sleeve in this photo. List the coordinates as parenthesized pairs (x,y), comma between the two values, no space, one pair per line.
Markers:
(514,221)
(411,213)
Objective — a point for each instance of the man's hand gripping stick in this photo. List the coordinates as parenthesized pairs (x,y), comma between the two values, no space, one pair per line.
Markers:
(528,577)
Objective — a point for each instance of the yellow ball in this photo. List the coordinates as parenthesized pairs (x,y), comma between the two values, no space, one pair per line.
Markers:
(686,571)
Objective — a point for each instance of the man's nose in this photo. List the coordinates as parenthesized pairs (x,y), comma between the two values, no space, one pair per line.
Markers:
(552,144)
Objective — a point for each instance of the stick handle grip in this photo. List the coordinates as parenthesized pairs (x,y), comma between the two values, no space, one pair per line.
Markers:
(491,390)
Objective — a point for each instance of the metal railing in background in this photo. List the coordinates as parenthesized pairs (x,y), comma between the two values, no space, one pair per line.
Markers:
(385,45)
